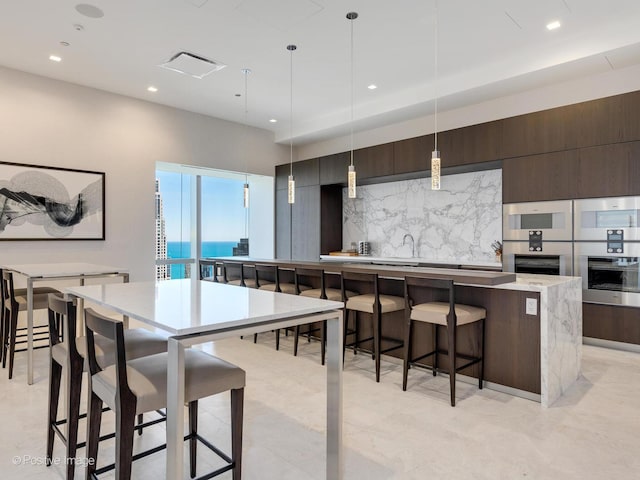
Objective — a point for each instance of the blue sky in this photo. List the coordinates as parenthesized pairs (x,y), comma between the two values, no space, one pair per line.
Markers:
(223,215)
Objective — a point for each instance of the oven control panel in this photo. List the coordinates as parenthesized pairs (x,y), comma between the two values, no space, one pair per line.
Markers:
(535,240)
(615,241)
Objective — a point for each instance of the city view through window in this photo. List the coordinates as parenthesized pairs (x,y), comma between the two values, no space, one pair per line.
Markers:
(223,222)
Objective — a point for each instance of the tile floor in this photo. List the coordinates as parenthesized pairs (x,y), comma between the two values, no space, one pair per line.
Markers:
(591,433)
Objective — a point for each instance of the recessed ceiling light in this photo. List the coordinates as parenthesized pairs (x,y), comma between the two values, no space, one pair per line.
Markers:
(55,58)
(372,87)
(152,89)
(553,25)
(273,120)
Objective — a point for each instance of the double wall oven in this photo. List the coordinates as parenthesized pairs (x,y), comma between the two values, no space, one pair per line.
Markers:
(537,237)
(607,250)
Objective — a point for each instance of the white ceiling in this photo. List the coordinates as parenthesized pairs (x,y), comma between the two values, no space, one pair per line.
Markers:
(486,49)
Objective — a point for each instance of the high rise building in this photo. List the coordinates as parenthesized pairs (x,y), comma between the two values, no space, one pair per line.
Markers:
(162,271)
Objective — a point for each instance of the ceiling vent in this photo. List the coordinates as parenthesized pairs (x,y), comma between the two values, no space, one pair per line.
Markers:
(192,65)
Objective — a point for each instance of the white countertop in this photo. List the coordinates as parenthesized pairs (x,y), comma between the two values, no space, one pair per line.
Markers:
(57,270)
(405,260)
(188,306)
(535,283)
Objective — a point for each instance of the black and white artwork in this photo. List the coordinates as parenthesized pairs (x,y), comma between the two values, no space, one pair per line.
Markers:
(47,203)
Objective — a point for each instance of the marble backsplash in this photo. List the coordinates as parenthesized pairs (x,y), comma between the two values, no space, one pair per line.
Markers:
(456,223)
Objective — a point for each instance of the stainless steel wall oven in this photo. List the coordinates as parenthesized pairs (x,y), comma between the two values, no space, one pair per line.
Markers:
(555,258)
(609,277)
(597,218)
(537,237)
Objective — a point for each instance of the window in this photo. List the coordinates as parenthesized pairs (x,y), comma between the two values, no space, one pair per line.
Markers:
(200,214)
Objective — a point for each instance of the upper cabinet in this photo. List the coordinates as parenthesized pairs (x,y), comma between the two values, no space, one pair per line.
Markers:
(609,170)
(548,176)
(369,162)
(576,151)
(305,172)
(412,155)
(333,168)
(602,171)
(374,162)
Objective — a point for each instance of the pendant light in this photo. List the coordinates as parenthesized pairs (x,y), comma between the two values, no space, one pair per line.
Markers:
(291,184)
(435,155)
(245,188)
(351,174)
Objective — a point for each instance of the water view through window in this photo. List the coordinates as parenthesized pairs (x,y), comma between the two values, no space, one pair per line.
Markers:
(223,222)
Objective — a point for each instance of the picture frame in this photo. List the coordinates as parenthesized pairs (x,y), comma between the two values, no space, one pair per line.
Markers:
(50,203)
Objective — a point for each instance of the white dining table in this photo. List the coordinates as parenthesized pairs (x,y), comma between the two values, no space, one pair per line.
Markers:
(39,272)
(194,311)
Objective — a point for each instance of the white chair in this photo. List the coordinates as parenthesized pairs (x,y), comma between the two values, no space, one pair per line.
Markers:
(137,386)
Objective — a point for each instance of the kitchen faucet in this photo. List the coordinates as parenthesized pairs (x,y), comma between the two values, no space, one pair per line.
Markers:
(413,243)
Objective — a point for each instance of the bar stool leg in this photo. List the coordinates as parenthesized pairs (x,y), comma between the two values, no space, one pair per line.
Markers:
(407,354)
(73,413)
(125,428)
(434,329)
(94,419)
(452,363)
(323,339)
(193,441)
(237,403)
(295,340)
(55,377)
(12,341)
(481,376)
(377,327)
(345,315)
(355,316)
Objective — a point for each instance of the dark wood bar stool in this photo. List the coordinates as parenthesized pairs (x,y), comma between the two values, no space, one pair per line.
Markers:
(212,271)
(450,315)
(266,277)
(68,356)
(285,287)
(369,300)
(237,274)
(136,386)
(304,276)
(14,301)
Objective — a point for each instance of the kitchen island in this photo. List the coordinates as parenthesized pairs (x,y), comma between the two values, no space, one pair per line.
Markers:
(533,344)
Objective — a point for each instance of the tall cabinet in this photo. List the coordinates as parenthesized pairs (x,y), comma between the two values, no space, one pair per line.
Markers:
(298,224)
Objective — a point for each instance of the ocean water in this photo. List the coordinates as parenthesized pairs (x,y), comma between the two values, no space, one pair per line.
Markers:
(209,249)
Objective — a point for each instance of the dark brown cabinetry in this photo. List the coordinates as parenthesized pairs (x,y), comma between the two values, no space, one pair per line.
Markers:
(590,149)
(608,170)
(305,223)
(305,172)
(601,171)
(609,322)
(548,176)
(283,226)
(412,154)
(374,162)
(333,169)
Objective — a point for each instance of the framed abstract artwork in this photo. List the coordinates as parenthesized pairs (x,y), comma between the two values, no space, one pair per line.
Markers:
(49,203)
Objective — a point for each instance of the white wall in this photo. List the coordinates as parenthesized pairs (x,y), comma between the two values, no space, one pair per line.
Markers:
(47,122)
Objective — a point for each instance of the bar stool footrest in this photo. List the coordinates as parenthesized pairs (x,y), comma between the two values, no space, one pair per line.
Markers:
(230,462)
